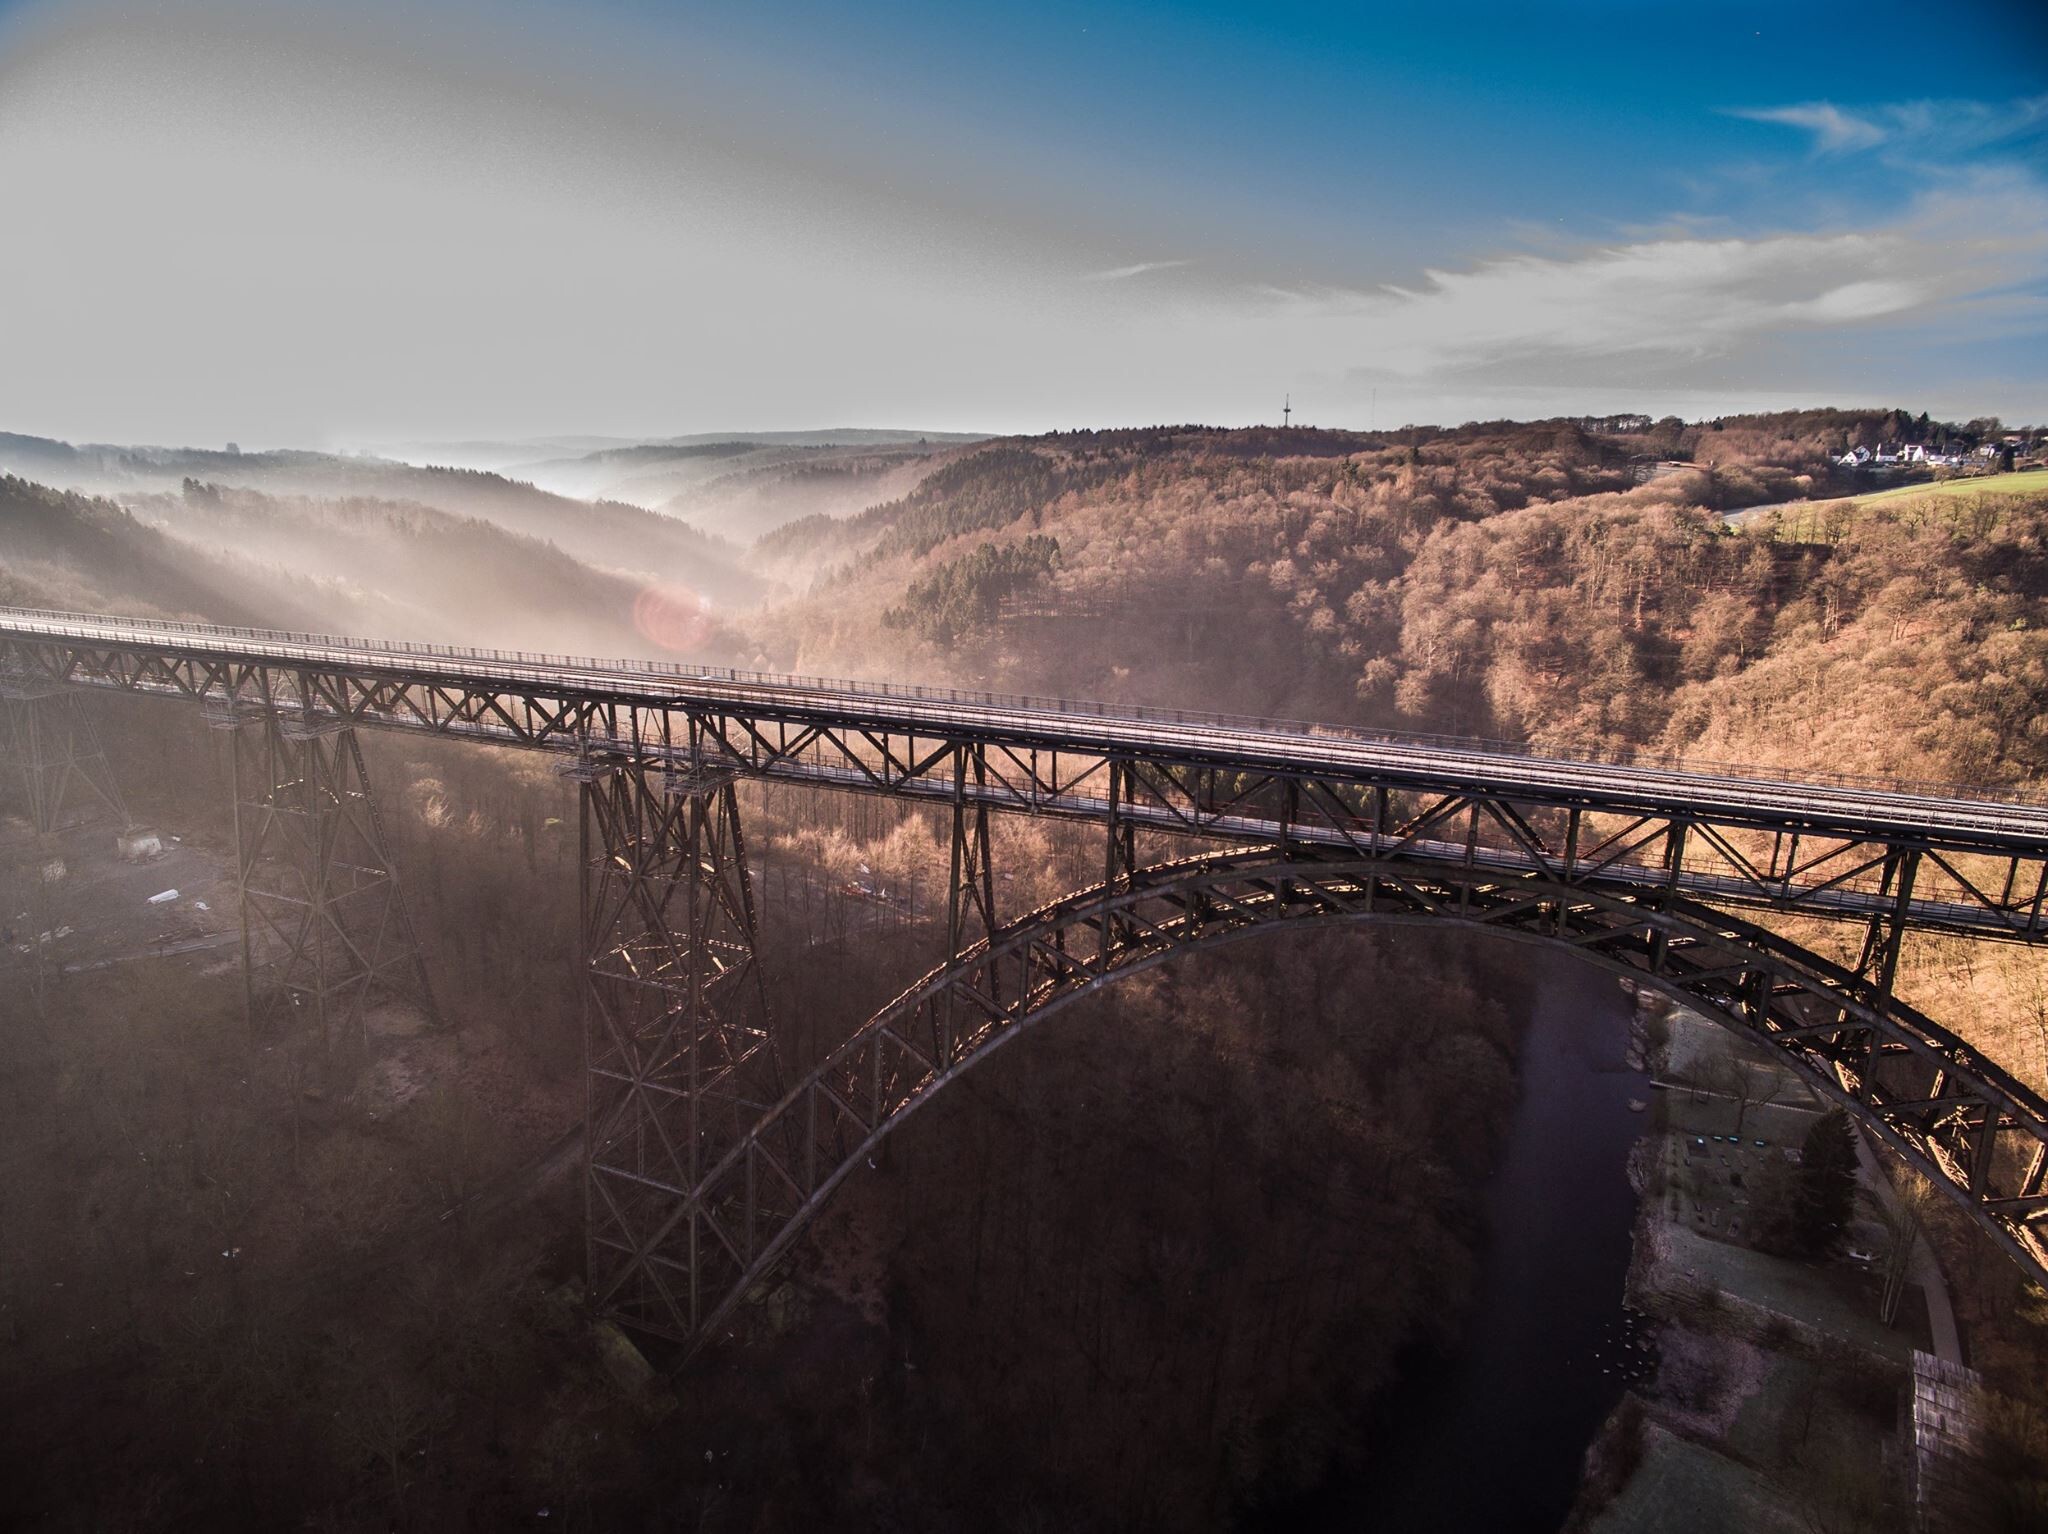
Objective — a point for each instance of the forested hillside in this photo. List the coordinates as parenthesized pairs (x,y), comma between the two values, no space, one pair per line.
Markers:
(76,552)
(1499,581)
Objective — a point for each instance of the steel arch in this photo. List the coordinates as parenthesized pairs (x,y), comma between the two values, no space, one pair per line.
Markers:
(1976,1132)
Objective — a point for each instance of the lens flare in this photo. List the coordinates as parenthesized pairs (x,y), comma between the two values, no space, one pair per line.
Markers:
(671,618)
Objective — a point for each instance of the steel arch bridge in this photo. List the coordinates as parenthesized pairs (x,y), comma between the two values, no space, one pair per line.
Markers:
(706,1154)
(1981,1144)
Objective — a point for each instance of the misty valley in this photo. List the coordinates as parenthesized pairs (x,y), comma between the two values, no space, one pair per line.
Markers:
(1067,769)
(1368,1219)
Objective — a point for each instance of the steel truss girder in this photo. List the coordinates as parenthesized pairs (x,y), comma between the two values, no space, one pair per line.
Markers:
(1980,1135)
(1980,879)
(679,1057)
(325,928)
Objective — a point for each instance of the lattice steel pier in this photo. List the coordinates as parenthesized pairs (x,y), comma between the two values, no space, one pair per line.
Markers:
(680,1059)
(325,928)
(52,744)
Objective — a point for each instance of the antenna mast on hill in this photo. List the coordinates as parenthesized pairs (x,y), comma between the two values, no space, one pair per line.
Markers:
(1286,410)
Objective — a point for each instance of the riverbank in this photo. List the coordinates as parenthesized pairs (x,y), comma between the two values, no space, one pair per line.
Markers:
(1489,1433)
(1775,1401)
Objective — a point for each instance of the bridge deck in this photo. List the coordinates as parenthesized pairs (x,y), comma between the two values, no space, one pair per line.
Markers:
(1823,801)
(568,703)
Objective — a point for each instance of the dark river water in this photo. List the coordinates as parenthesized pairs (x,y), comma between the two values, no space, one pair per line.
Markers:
(1492,1438)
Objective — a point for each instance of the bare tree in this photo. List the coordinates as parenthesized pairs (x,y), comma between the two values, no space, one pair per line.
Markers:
(1751,1083)
(2026,977)
(385,1413)
(1903,1215)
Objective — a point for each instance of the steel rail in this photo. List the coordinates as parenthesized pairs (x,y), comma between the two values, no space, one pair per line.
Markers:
(1722,889)
(1954,819)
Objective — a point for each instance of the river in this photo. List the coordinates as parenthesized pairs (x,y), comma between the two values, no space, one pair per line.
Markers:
(1492,1437)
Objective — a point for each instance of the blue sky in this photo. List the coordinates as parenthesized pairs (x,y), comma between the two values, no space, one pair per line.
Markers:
(1340,122)
(295,222)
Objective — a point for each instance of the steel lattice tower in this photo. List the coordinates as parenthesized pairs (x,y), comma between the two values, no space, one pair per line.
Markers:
(315,879)
(51,741)
(680,1061)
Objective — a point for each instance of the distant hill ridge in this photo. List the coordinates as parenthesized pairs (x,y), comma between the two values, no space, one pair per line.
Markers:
(606,534)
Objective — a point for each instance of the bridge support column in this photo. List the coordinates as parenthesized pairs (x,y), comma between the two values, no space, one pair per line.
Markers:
(679,1058)
(1877,969)
(971,890)
(315,878)
(52,743)
(1120,850)
(971,897)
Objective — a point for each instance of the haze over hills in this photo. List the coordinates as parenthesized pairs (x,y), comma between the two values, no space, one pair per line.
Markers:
(1501,579)
(743,487)
(490,454)
(502,453)
(436,1095)
(1576,586)
(608,535)
(732,487)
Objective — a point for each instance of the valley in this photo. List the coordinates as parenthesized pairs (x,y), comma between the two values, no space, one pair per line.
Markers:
(1506,581)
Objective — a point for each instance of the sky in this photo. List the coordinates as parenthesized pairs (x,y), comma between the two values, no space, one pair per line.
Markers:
(290,223)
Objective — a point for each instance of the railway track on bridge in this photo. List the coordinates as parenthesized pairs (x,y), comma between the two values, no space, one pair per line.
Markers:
(1826,855)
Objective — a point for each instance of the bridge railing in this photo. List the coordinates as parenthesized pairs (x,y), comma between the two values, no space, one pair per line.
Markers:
(102,626)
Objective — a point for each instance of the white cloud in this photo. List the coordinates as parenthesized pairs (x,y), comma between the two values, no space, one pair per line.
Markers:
(1685,298)
(1833,130)
(1927,127)
(432,235)
(1136,269)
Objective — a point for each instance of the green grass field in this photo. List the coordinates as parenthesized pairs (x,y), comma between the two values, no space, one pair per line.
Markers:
(1793,513)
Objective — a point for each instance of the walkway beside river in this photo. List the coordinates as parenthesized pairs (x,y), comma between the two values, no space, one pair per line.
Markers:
(1776,1399)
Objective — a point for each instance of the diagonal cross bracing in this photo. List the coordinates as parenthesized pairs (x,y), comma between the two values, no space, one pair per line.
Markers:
(1815,849)
(679,1058)
(53,746)
(325,928)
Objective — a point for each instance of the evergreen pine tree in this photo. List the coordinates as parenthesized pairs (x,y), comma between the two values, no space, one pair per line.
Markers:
(1827,1182)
